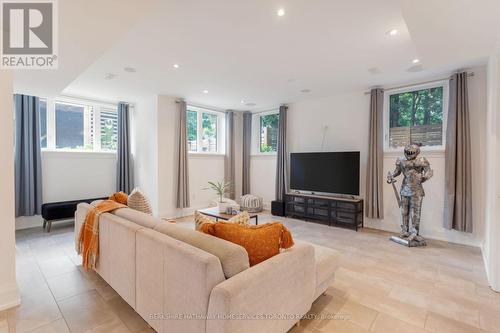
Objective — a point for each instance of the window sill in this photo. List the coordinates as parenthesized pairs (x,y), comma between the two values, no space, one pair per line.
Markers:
(264,155)
(423,153)
(205,155)
(78,154)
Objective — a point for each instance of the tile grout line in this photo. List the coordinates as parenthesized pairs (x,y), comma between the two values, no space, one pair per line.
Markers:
(51,293)
(372,325)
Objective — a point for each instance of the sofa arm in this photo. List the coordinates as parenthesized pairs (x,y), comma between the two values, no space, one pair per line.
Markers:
(268,297)
(80,214)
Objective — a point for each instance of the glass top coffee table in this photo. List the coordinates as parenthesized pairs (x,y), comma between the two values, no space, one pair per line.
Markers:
(214,212)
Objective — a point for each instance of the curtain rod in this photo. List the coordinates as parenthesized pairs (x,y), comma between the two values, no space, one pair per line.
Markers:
(470,74)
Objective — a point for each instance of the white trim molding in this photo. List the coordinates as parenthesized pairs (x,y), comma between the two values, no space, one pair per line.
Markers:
(9,296)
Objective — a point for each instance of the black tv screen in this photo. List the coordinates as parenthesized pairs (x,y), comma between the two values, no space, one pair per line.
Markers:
(333,172)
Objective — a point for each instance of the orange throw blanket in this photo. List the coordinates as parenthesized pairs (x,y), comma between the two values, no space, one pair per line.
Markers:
(88,239)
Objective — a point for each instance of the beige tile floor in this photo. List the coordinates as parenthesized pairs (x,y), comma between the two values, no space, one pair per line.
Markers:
(379,287)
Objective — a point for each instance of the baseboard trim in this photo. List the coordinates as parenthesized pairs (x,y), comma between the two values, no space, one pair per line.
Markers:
(27,222)
(485,263)
(10,297)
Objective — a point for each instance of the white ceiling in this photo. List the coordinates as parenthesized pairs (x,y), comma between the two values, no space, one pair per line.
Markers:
(241,50)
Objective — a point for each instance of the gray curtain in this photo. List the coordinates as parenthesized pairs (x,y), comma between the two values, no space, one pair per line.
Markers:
(458,174)
(182,160)
(282,157)
(374,173)
(124,171)
(229,159)
(27,156)
(247,148)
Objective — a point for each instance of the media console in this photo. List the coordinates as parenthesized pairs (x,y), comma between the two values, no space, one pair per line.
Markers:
(333,211)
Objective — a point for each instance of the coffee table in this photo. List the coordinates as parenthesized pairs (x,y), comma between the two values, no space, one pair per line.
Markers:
(214,212)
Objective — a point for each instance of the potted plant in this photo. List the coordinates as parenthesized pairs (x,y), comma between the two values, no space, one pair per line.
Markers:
(221,188)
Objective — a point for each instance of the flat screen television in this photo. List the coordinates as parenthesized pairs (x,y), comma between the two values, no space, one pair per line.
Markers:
(332,172)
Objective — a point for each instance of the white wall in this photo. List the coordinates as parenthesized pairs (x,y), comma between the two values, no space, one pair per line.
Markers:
(154,143)
(491,246)
(77,175)
(263,177)
(346,117)
(144,147)
(71,176)
(9,293)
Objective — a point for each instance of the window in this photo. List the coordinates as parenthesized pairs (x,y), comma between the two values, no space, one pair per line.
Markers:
(109,129)
(205,130)
(416,116)
(268,139)
(192,130)
(72,124)
(209,134)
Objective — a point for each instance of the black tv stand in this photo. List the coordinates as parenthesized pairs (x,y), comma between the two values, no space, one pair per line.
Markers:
(333,211)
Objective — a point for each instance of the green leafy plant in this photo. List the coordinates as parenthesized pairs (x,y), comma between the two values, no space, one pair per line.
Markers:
(220,188)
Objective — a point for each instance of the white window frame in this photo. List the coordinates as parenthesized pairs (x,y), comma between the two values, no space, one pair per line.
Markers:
(221,130)
(51,122)
(386,118)
(256,135)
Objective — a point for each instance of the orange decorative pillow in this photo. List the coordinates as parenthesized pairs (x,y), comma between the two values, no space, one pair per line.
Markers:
(261,241)
(120,197)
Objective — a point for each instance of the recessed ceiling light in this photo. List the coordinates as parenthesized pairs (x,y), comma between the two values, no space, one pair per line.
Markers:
(109,76)
(242,102)
(392,32)
(250,104)
(176,65)
(129,69)
(281,12)
(415,61)
(205,91)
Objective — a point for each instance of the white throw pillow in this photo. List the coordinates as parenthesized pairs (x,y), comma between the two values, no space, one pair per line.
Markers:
(139,201)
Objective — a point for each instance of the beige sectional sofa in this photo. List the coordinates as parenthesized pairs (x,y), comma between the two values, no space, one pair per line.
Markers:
(181,280)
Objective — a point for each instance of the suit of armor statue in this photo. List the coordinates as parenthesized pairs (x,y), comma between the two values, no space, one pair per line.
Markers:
(416,170)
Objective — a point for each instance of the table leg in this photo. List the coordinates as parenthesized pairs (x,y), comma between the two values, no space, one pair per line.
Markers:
(256,220)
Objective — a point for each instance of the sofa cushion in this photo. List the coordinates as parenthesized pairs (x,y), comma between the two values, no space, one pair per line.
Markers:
(326,263)
(260,241)
(241,218)
(137,217)
(233,258)
(200,218)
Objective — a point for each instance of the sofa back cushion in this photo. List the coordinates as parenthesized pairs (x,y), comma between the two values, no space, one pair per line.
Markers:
(137,217)
(233,258)
(174,278)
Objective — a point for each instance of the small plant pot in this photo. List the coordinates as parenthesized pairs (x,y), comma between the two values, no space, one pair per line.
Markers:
(222,206)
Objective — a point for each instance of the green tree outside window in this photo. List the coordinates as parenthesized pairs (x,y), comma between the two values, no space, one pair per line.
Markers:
(269,125)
